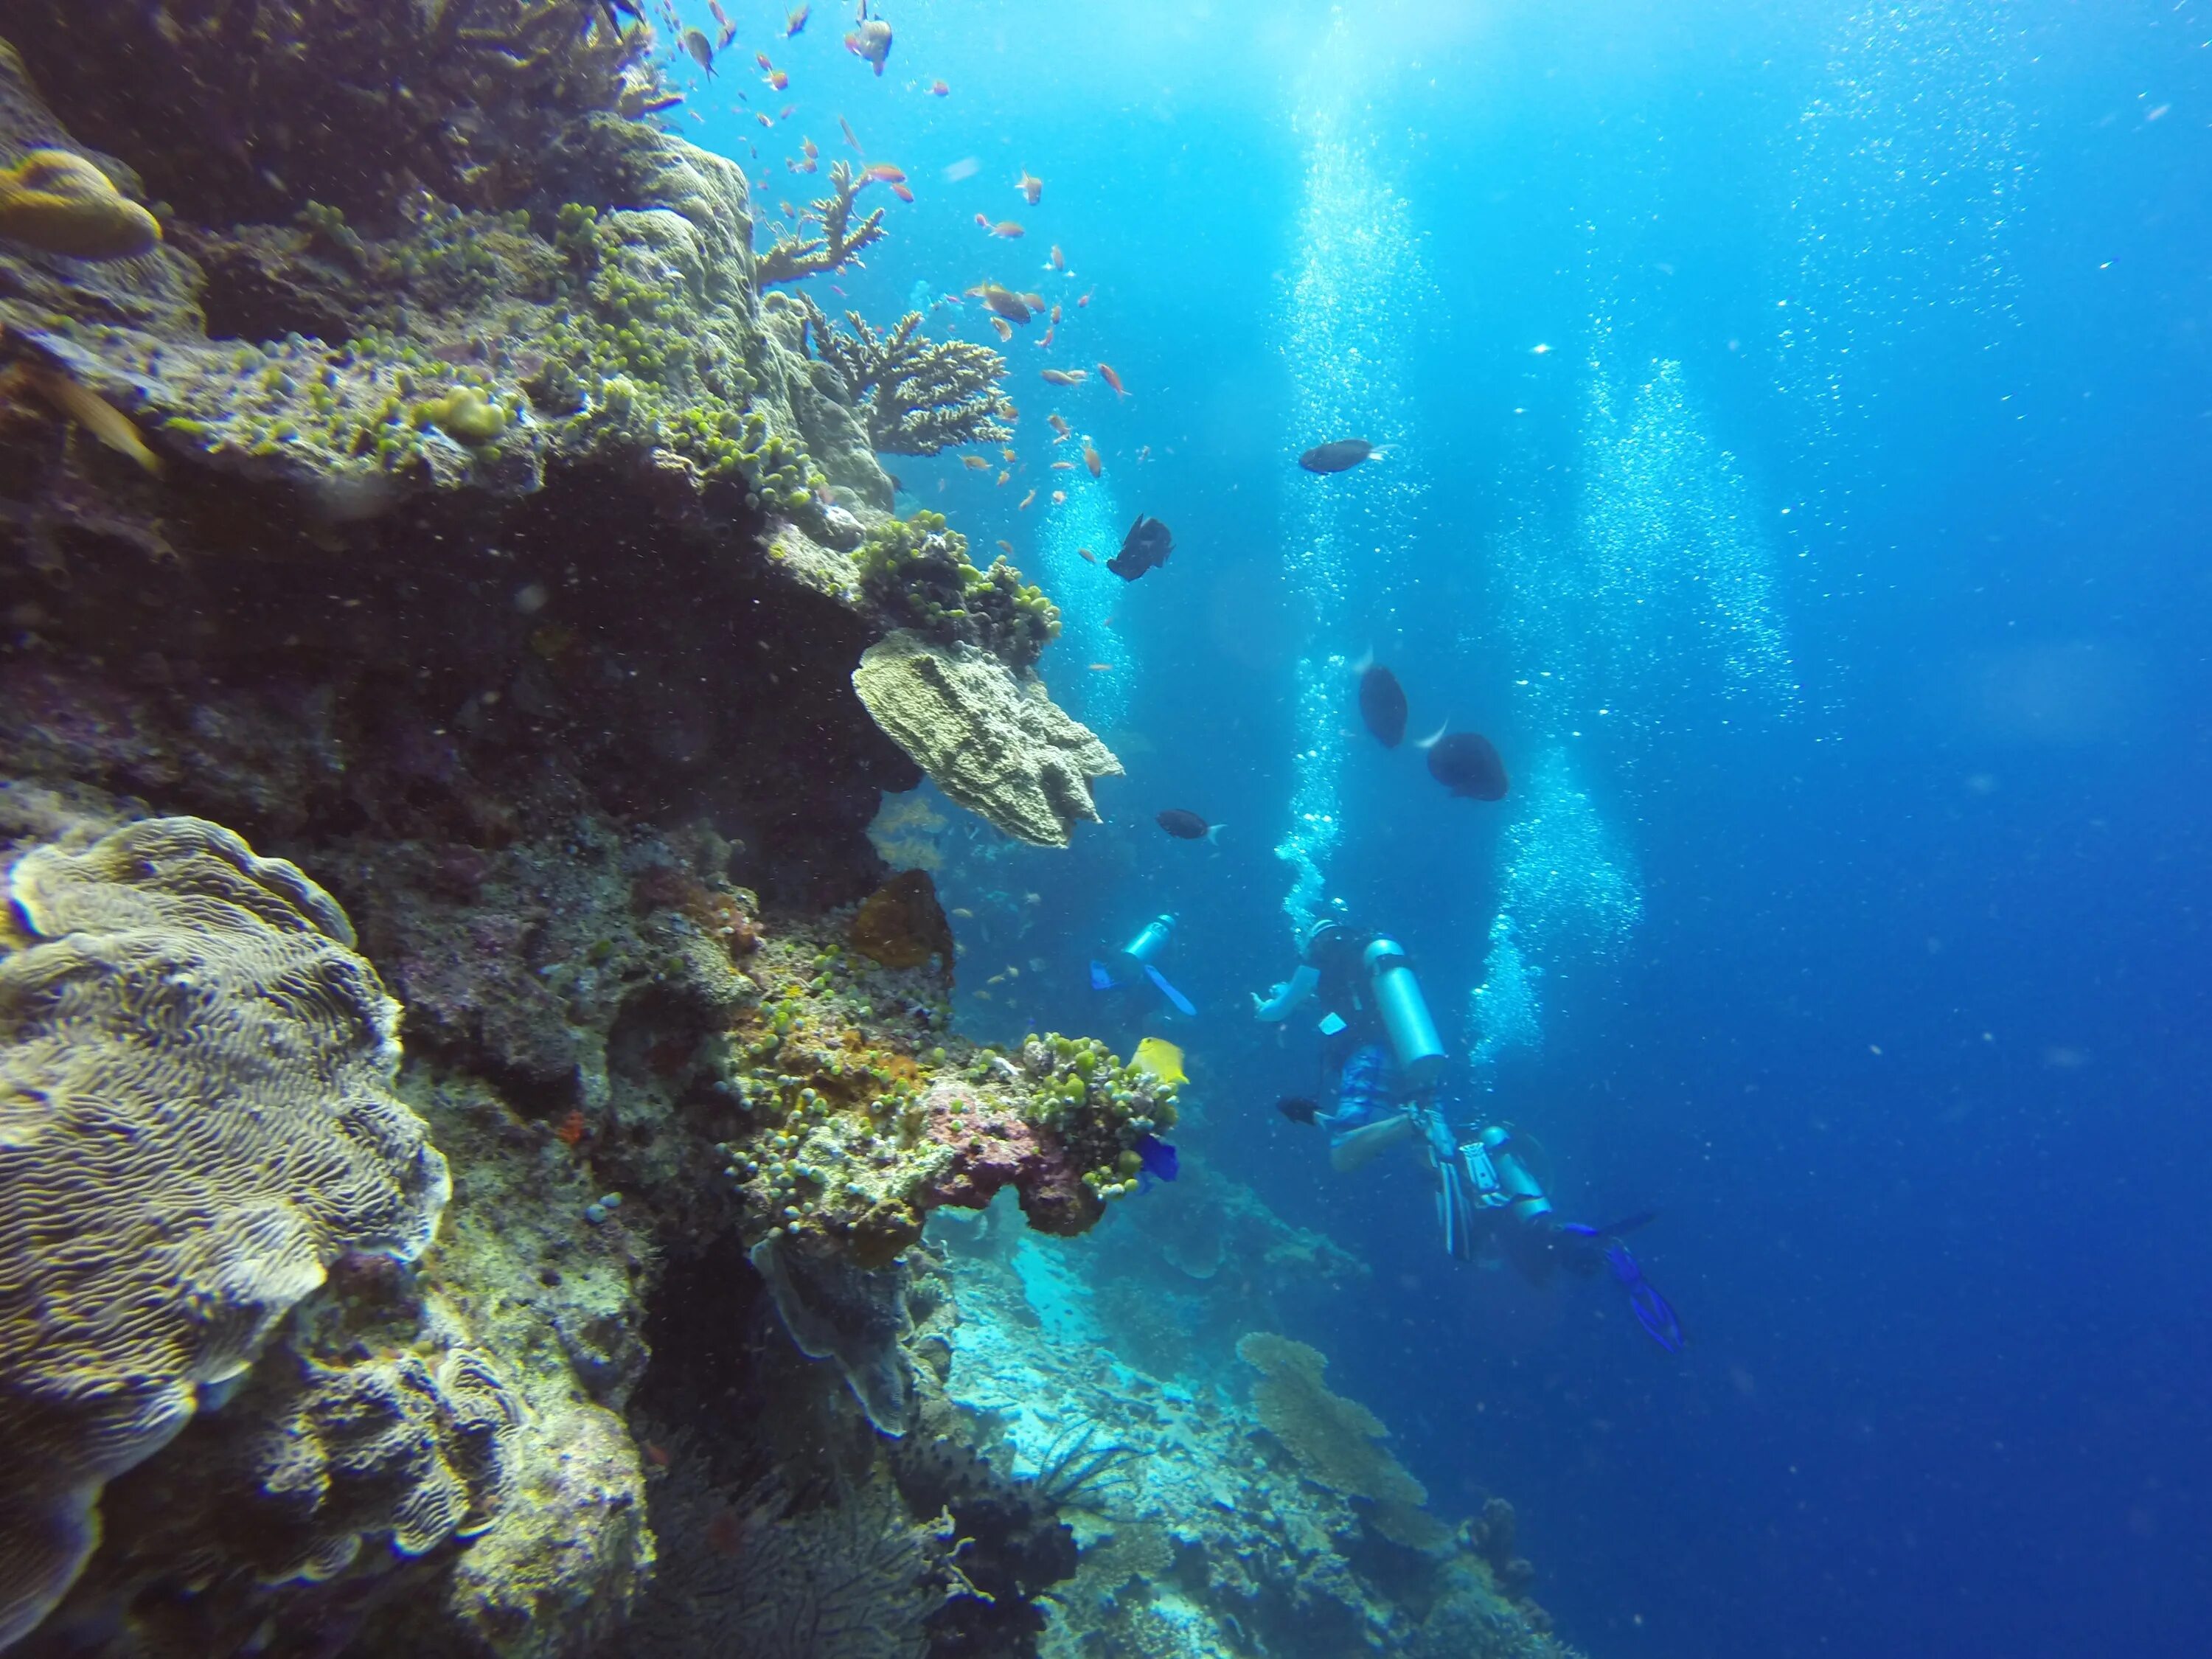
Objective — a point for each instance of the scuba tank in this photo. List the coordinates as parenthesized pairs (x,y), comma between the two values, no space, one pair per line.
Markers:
(1151,938)
(1134,962)
(1509,1155)
(1413,1040)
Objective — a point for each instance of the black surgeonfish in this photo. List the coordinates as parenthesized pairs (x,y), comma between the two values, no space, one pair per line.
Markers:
(1148,543)
(1187,826)
(1338,457)
(1382,705)
(1466,764)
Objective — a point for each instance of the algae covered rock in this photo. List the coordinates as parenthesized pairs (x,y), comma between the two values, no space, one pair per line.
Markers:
(994,741)
(196,1121)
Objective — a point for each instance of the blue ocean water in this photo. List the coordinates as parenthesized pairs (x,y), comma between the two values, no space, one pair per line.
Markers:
(1799,462)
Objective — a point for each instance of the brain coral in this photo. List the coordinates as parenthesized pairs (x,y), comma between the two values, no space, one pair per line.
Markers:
(1335,1441)
(196,1120)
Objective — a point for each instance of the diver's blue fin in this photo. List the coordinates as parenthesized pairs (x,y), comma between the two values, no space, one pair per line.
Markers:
(1100,979)
(1168,991)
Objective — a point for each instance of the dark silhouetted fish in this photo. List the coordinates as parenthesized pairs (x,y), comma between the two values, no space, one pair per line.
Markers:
(1187,826)
(1466,764)
(1382,705)
(1340,457)
(1148,543)
(1297,1108)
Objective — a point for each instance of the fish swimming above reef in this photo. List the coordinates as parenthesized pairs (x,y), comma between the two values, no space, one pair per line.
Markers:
(1147,545)
(1002,302)
(722,22)
(700,49)
(797,20)
(1187,825)
(1031,187)
(1159,1059)
(871,40)
(1063,376)
(1382,704)
(1468,764)
(1338,457)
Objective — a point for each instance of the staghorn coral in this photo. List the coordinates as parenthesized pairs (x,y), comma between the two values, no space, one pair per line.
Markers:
(994,742)
(195,1120)
(918,396)
(1335,1441)
(840,242)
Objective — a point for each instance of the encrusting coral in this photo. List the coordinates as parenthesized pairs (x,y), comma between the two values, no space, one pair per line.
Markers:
(918,395)
(839,242)
(58,203)
(994,742)
(196,1120)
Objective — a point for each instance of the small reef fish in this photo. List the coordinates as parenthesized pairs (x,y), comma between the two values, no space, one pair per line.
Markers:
(1342,456)
(1063,466)
(102,419)
(964,913)
(1089,557)
(1026,499)
(1058,426)
(1106,374)
(1006,228)
(871,40)
(1091,459)
(975,463)
(722,22)
(667,101)
(699,48)
(902,192)
(1101,667)
(1065,376)
(1047,340)
(1003,301)
(1055,314)
(1466,764)
(778,81)
(1059,497)
(761,58)
(764,118)
(797,20)
(1005,328)
(883,173)
(1155,1161)
(1059,263)
(1008,456)
(1035,301)
(1159,1059)
(1144,452)
(851,137)
(787,112)
(1146,547)
(1084,299)
(938,90)
(1003,477)
(1031,187)
(1186,825)
(813,155)
(1006,547)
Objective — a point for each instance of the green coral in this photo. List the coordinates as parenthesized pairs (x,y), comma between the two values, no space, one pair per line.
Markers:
(463,414)
(916,573)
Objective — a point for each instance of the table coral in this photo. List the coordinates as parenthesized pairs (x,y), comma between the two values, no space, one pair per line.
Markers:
(918,395)
(1336,1442)
(196,1120)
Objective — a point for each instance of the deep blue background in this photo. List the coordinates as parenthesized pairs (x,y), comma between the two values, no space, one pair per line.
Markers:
(1910,1047)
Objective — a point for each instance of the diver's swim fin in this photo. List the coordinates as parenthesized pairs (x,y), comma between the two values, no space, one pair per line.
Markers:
(1181,1001)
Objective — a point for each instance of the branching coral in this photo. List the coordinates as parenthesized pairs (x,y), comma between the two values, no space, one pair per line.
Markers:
(916,573)
(791,258)
(1335,1441)
(918,396)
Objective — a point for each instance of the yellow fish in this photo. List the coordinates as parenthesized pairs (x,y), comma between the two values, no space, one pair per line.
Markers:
(1162,1060)
(102,419)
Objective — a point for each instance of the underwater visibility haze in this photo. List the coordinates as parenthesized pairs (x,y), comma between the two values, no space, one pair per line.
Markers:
(974,828)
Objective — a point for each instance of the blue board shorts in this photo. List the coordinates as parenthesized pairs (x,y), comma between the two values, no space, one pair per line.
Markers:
(1364,1095)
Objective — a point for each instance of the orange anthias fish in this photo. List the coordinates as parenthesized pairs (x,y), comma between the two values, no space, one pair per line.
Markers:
(761,58)
(1006,228)
(813,155)
(1065,376)
(797,20)
(1006,329)
(883,173)
(1003,477)
(1031,187)
(1047,340)
(1026,499)
(1058,496)
(1091,459)
(851,137)
(1089,557)
(1085,300)
(1008,456)
(1063,466)
(1006,548)
(722,18)
(1034,301)
(1106,374)
(1058,425)
(938,90)
(902,192)
(1055,314)
(1058,259)
(778,80)
(764,117)
(975,463)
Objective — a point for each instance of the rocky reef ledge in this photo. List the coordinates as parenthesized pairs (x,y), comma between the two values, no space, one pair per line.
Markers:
(473,1102)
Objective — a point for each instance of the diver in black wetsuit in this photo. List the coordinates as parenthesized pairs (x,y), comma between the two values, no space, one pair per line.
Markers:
(1381,1062)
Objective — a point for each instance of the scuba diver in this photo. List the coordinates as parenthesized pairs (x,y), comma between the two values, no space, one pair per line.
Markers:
(1382,1062)
(1136,962)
